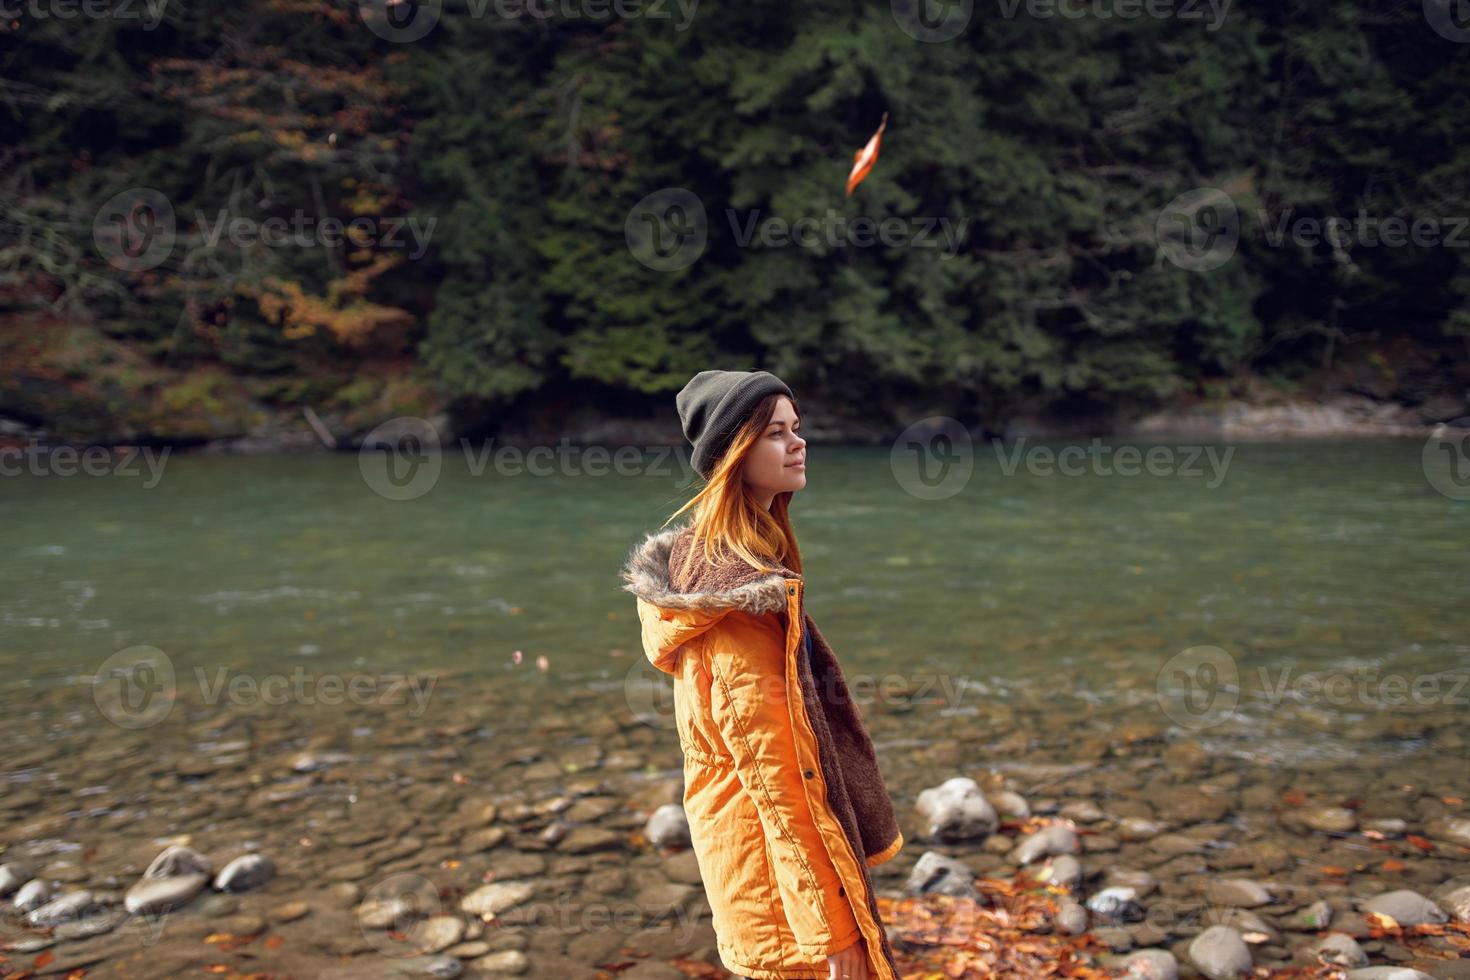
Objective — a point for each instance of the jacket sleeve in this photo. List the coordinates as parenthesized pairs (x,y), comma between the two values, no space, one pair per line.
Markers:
(749,707)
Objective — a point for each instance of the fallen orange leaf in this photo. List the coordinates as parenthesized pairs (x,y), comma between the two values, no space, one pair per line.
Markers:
(863,160)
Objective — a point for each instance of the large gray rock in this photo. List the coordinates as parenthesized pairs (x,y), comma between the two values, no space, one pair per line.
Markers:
(956,809)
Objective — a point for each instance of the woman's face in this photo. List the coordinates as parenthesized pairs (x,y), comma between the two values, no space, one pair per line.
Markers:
(777,461)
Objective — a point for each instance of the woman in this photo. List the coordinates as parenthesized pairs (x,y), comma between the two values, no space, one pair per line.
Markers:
(787,809)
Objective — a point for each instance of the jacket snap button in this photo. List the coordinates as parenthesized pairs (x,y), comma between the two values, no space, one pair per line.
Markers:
(791,590)
(808,774)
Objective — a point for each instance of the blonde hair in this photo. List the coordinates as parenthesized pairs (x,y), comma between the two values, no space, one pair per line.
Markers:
(727,520)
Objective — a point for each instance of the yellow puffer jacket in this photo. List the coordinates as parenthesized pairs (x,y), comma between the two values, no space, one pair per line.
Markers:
(786,883)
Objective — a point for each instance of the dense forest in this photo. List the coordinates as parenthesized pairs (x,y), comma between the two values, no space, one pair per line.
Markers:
(210,211)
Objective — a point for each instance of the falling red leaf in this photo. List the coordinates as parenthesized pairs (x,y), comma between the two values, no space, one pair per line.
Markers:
(863,160)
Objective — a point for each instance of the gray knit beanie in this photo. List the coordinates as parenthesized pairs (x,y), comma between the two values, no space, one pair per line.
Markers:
(716,403)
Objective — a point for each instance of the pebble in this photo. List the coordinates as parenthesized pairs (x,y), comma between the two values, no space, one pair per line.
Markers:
(1316,916)
(244,873)
(65,908)
(1052,839)
(586,839)
(290,911)
(1334,948)
(179,860)
(1117,904)
(469,950)
(1136,829)
(1237,892)
(385,913)
(344,895)
(437,933)
(1150,964)
(12,876)
(1071,917)
(483,839)
(1082,811)
(1330,819)
(243,924)
(683,867)
(1407,908)
(350,871)
(150,896)
(956,810)
(496,897)
(934,873)
(214,906)
(668,827)
(1060,869)
(511,961)
(33,894)
(1010,804)
(1456,830)
(1220,953)
(1456,903)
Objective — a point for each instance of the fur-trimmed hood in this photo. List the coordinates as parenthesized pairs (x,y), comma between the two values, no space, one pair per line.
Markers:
(646,575)
(712,591)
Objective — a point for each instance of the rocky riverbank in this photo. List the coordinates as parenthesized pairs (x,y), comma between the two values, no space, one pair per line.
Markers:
(533,829)
(68,383)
